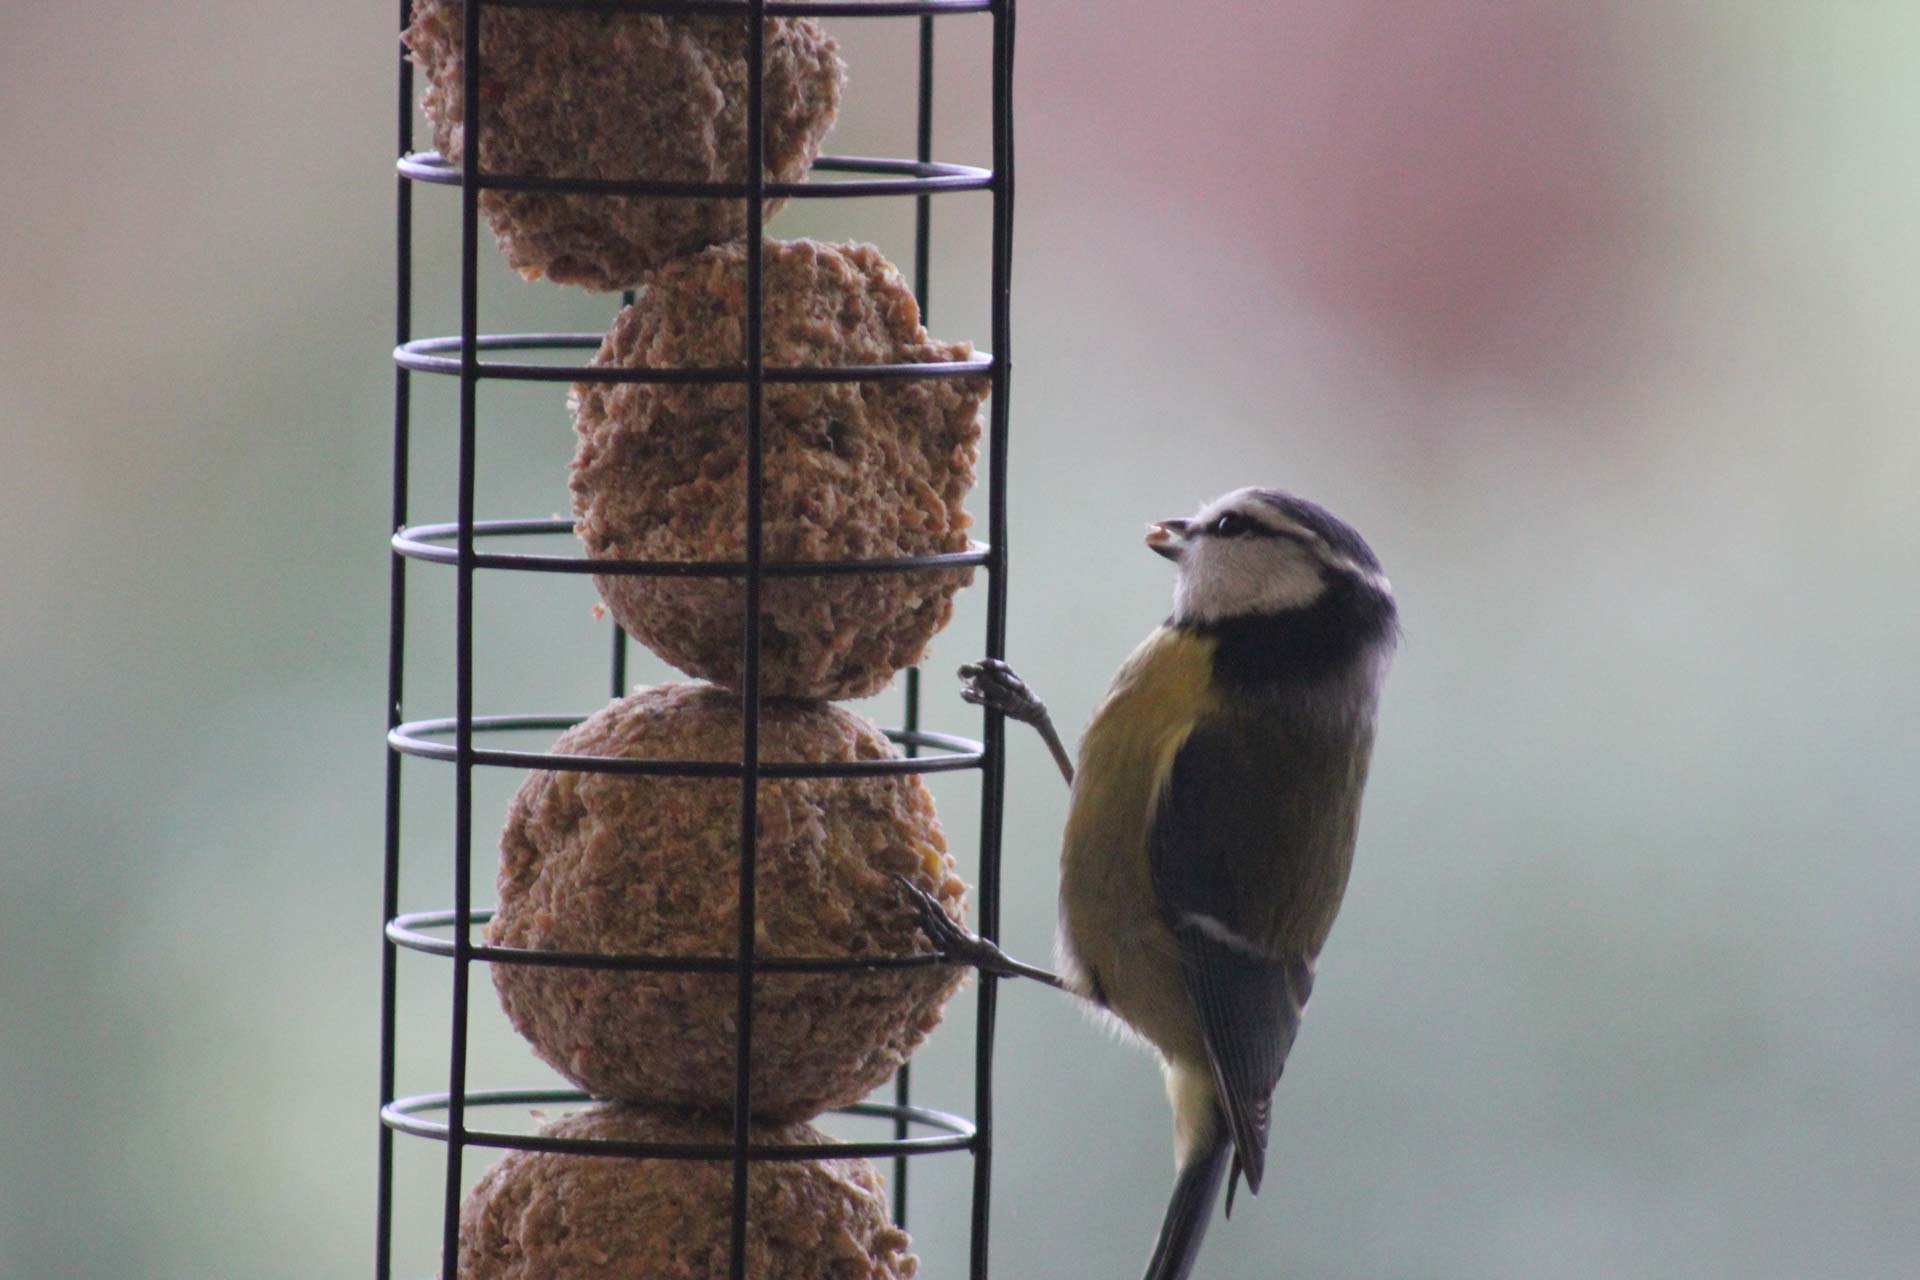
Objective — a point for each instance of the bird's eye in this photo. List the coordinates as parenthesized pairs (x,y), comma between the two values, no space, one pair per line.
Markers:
(1230,525)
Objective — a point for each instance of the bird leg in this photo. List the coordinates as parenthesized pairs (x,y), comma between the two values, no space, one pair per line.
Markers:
(955,944)
(991,683)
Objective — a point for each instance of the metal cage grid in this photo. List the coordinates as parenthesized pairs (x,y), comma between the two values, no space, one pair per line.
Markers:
(452,740)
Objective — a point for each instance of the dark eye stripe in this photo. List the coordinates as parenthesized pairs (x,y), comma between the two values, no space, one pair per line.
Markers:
(1334,533)
(1234,524)
(1230,524)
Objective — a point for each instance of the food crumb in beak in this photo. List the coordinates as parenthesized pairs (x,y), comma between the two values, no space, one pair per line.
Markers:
(1163,537)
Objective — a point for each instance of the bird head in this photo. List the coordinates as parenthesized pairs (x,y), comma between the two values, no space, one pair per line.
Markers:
(1262,551)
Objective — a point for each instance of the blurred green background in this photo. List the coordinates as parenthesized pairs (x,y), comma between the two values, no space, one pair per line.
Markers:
(1598,318)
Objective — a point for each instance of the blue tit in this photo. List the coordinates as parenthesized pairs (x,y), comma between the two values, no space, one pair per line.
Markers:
(1213,818)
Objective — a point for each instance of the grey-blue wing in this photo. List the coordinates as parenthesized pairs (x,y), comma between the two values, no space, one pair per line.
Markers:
(1249,997)
(1249,1009)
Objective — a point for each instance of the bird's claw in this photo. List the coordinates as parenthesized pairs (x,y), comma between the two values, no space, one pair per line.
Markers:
(950,939)
(991,683)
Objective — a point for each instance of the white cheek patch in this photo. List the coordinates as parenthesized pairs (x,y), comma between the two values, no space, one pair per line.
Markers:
(1227,578)
(1372,577)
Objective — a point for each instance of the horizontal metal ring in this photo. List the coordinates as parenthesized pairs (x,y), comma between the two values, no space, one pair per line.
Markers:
(905,178)
(434,543)
(425,738)
(410,931)
(442,356)
(405,1115)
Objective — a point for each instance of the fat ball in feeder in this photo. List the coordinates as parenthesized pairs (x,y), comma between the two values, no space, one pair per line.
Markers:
(852,470)
(538,1215)
(611,864)
(621,97)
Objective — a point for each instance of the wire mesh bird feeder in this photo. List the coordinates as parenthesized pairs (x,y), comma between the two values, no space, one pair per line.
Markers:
(455,1116)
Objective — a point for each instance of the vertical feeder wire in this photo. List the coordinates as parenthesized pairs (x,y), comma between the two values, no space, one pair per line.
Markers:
(463,628)
(922,289)
(993,781)
(396,657)
(617,673)
(750,640)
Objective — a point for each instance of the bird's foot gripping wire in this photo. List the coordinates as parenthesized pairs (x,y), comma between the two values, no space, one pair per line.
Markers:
(991,683)
(958,946)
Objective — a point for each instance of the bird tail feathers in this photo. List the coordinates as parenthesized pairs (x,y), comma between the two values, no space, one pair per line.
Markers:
(1190,1209)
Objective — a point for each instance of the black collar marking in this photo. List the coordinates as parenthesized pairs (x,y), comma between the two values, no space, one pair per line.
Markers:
(1299,646)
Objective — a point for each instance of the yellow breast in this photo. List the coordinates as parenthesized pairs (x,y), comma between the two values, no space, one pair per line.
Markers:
(1111,929)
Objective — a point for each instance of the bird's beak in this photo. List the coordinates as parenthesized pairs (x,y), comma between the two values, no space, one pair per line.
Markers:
(1168,537)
